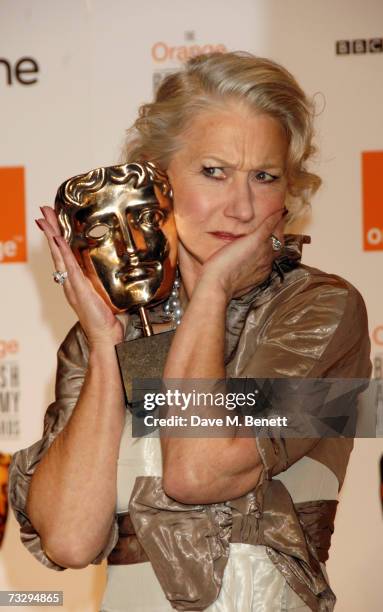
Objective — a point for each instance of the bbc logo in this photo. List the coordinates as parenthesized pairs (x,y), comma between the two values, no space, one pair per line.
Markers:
(359,46)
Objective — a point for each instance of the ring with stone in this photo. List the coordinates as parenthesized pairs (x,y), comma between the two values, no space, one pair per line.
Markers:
(60,277)
(275,243)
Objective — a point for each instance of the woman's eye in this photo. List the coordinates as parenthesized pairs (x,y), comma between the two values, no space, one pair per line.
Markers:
(213,172)
(265,177)
(151,217)
(97,231)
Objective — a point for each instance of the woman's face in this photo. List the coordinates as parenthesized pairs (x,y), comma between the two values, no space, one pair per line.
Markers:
(228,176)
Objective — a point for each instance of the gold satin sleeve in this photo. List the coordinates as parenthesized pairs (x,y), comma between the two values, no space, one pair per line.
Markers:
(317,328)
(72,359)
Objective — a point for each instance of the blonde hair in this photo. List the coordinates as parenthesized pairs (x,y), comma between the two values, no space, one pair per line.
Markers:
(214,79)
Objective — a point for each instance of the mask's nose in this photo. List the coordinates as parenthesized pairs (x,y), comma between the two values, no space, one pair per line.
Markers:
(126,242)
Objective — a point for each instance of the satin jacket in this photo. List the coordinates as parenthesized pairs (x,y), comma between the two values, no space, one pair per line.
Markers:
(302,323)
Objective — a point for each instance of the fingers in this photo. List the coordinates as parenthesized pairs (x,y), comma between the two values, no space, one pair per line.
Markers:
(273,224)
(51,229)
(62,255)
(77,282)
(259,240)
(96,318)
(51,216)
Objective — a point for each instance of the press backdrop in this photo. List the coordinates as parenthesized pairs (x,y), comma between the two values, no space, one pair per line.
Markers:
(72,75)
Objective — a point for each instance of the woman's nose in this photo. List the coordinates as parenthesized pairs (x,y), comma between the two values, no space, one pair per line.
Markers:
(240,203)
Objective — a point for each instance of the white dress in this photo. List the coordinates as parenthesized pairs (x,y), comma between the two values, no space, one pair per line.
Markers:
(251,582)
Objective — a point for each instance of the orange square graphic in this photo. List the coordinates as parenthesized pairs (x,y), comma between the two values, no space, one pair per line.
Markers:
(12,215)
(372,179)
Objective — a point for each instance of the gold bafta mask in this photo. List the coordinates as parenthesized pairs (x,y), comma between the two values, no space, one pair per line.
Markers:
(120,225)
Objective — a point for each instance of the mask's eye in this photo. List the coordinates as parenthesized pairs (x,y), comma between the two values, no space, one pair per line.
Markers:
(97,231)
(151,217)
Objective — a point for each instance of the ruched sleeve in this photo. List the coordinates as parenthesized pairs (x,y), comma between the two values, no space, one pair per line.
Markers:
(72,364)
(315,328)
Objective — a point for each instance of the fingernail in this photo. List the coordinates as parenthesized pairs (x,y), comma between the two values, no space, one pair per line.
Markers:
(42,210)
(39,225)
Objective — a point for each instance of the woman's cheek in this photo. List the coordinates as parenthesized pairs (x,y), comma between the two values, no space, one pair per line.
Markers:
(192,210)
(184,226)
(273,200)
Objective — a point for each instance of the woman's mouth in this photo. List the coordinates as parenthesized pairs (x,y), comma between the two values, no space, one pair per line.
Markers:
(227,236)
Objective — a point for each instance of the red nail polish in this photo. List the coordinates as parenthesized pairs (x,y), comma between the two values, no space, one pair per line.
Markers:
(39,225)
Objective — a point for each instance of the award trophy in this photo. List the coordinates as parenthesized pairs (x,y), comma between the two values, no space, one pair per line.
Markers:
(119,223)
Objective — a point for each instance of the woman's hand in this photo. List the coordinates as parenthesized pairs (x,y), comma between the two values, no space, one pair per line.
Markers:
(97,319)
(245,262)
(208,470)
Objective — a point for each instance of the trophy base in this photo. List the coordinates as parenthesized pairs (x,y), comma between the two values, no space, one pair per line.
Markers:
(143,358)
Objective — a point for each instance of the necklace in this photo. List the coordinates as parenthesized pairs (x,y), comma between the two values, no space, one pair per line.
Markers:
(172,306)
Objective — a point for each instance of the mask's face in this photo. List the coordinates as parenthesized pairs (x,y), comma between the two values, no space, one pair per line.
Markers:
(125,240)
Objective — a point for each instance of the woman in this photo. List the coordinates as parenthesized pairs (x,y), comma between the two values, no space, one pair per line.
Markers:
(234,133)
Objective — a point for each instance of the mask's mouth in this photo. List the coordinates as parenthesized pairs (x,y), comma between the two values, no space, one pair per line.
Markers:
(140,272)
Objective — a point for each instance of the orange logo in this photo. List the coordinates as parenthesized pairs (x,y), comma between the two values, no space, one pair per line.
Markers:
(372,168)
(162,52)
(12,206)
(8,347)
